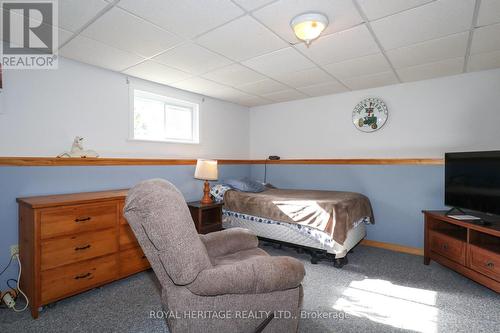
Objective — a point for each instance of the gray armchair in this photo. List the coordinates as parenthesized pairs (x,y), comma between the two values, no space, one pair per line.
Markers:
(219,282)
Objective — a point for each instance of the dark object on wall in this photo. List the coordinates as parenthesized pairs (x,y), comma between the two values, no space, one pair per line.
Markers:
(271,158)
(472,181)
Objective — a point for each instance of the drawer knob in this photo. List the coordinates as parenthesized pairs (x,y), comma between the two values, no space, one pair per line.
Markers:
(82,219)
(79,248)
(489,264)
(78,277)
(144,257)
(445,246)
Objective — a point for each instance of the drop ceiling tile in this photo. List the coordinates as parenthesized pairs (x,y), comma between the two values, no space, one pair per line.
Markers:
(252,4)
(130,33)
(486,39)
(371,81)
(256,101)
(483,61)
(74,14)
(251,102)
(342,15)
(229,94)
(303,78)
(241,39)
(285,95)
(375,9)
(152,71)
(96,53)
(432,70)
(202,86)
(234,75)
(241,98)
(187,18)
(192,58)
(266,86)
(430,51)
(371,64)
(344,45)
(279,62)
(63,36)
(238,97)
(327,88)
(434,20)
(489,12)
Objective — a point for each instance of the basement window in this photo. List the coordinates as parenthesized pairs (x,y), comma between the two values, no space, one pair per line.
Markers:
(164,119)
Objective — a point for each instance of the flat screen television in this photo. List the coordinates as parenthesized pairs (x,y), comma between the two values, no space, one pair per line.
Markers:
(472,181)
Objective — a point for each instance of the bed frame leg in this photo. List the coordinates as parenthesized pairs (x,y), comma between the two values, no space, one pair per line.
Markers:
(316,256)
(340,262)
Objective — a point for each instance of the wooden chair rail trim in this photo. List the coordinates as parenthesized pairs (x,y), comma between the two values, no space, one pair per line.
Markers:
(359,161)
(54,161)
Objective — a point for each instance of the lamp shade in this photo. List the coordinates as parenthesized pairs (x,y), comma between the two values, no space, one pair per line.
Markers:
(206,170)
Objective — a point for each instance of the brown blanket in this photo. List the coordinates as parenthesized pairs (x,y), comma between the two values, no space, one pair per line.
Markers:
(329,211)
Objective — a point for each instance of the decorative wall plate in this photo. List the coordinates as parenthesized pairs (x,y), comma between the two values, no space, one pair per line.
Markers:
(370,114)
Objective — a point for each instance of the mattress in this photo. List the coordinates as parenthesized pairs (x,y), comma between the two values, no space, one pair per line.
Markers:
(333,213)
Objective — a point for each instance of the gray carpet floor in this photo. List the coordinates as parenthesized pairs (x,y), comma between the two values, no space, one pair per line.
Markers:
(378,291)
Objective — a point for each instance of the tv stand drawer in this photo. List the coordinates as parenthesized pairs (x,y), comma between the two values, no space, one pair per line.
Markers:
(449,247)
(485,262)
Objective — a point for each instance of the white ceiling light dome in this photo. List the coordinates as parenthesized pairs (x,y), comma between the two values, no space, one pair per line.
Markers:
(309,26)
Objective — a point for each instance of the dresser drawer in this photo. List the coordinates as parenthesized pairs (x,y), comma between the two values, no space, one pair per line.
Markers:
(449,247)
(485,262)
(71,279)
(132,261)
(127,237)
(69,249)
(76,219)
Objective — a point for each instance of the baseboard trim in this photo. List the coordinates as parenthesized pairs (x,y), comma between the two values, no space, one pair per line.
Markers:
(394,247)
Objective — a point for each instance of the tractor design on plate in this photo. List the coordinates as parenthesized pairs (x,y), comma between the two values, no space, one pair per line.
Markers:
(370,114)
(370,119)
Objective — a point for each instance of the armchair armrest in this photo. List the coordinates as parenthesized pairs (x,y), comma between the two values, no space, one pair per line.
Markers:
(229,241)
(252,276)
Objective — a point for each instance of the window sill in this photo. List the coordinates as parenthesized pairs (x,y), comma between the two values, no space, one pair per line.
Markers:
(165,141)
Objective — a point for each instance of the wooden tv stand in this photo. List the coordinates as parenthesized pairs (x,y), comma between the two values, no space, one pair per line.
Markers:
(466,247)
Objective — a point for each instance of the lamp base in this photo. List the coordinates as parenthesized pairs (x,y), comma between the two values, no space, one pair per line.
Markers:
(206,194)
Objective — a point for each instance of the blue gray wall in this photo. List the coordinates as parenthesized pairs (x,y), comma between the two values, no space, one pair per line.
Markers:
(398,193)
(28,181)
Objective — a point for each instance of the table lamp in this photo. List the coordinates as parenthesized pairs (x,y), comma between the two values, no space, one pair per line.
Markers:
(206,170)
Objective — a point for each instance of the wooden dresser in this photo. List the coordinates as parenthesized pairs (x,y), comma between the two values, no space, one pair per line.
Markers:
(470,249)
(74,242)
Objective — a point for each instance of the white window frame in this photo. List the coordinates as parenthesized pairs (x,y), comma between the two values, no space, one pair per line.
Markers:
(167,100)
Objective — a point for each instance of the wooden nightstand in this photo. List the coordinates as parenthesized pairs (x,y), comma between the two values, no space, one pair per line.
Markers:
(207,217)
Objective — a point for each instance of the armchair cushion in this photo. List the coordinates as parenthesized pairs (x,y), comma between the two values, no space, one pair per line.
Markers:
(257,275)
(229,241)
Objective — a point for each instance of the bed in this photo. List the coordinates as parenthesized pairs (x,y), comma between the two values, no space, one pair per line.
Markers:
(330,222)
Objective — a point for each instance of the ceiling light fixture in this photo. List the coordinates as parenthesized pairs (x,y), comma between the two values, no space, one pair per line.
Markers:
(309,26)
